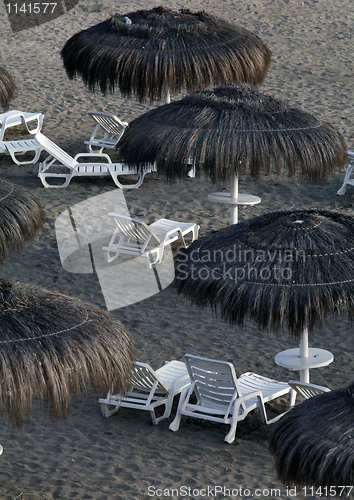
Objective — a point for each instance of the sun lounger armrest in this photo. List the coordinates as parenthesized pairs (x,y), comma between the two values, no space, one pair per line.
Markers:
(93,155)
(239,401)
(179,380)
(251,395)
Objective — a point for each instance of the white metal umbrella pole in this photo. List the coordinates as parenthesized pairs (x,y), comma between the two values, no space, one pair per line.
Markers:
(166,91)
(304,353)
(234,196)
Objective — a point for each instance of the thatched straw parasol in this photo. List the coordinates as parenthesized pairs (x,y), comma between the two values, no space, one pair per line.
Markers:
(286,271)
(7,87)
(146,52)
(232,130)
(313,444)
(21,217)
(53,346)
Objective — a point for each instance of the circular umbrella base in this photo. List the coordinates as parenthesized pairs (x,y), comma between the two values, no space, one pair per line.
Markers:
(291,359)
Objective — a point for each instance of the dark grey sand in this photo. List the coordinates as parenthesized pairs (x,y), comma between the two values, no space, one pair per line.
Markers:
(87,456)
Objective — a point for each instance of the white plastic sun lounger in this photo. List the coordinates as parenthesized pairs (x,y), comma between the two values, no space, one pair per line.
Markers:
(58,159)
(134,237)
(31,121)
(347,178)
(222,397)
(149,389)
(107,132)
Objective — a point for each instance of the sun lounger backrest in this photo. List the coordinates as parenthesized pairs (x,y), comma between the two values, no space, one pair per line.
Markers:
(143,378)
(110,123)
(54,150)
(307,390)
(215,381)
(135,229)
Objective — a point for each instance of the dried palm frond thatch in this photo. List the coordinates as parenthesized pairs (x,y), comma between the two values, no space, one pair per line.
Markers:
(53,347)
(286,271)
(7,87)
(313,444)
(21,217)
(142,52)
(232,130)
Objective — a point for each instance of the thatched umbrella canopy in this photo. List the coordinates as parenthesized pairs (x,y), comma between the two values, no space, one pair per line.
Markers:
(286,271)
(232,130)
(53,347)
(21,217)
(7,87)
(145,52)
(313,444)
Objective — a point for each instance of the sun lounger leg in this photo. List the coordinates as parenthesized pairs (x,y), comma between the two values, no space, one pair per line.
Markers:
(127,186)
(36,152)
(230,437)
(348,173)
(43,177)
(174,425)
(106,412)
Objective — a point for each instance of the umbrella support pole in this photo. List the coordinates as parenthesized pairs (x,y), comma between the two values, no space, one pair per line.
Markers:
(234,195)
(304,353)
(166,92)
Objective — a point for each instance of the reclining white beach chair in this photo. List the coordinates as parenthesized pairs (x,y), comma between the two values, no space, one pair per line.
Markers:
(348,173)
(222,397)
(149,389)
(31,121)
(307,390)
(58,159)
(134,237)
(110,126)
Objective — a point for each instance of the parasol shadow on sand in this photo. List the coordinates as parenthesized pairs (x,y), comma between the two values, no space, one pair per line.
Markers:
(150,52)
(7,88)
(285,271)
(313,444)
(233,130)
